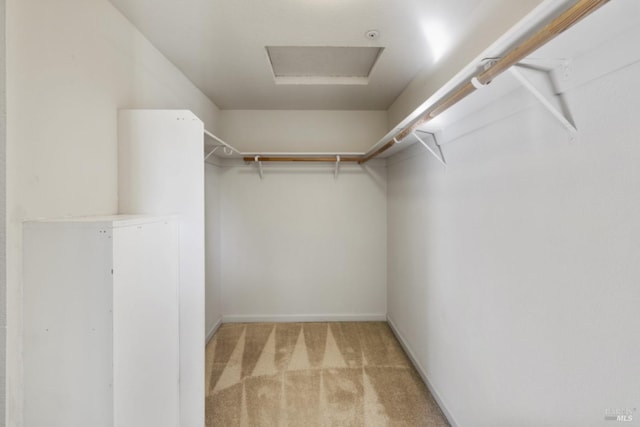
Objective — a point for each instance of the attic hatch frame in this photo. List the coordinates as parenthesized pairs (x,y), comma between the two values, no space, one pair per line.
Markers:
(560,23)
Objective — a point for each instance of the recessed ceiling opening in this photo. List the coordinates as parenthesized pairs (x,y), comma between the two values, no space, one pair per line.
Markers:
(322,64)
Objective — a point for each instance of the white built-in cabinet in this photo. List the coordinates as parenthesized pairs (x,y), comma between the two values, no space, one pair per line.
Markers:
(101,341)
(161,171)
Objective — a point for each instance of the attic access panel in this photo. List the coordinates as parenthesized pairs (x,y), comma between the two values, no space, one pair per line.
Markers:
(322,64)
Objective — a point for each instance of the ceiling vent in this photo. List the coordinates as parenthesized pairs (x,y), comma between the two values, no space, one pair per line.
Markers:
(322,64)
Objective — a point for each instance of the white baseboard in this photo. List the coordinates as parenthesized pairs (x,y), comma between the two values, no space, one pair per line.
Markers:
(213,330)
(276,318)
(422,372)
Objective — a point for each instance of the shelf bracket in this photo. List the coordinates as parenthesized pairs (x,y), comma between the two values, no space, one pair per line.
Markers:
(259,163)
(539,84)
(547,64)
(439,155)
(337,169)
(228,149)
(211,152)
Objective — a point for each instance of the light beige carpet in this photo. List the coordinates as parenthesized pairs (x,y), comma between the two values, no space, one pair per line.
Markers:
(313,374)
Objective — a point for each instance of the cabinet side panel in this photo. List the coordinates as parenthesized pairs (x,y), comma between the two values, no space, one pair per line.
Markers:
(161,172)
(146,325)
(67,327)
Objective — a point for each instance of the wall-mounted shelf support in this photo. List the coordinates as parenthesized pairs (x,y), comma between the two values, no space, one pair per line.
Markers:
(548,64)
(539,84)
(439,155)
(211,152)
(228,149)
(256,159)
(337,169)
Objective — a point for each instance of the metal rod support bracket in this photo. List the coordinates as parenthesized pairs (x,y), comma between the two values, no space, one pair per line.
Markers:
(539,84)
(476,83)
(259,163)
(211,152)
(439,155)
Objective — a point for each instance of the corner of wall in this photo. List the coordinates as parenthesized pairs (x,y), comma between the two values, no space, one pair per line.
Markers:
(212,331)
(422,372)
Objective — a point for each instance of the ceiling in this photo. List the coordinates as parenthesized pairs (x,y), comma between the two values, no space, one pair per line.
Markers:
(221,44)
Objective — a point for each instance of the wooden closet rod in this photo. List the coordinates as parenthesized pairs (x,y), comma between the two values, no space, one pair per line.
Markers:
(562,22)
(331,159)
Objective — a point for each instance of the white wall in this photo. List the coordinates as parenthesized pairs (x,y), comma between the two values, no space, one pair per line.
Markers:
(71,65)
(299,131)
(513,274)
(303,245)
(299,245)
(213,254)
(3,212)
